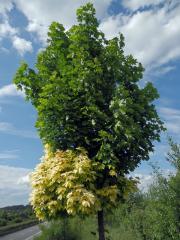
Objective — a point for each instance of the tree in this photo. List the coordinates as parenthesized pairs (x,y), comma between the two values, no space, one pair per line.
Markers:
(174,154)
(89,103)
(174,182)
(161,212)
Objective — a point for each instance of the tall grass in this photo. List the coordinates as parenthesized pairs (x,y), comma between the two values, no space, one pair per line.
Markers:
(117,228)
(69,229)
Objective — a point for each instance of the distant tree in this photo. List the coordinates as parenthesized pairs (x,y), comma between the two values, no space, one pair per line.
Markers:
(174,182)
(174,154)
(161,213)
(94,116)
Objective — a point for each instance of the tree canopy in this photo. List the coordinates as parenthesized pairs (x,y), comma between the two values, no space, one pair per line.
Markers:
(86,93)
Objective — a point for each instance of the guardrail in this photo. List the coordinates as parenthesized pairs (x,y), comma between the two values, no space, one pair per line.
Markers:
(16,227)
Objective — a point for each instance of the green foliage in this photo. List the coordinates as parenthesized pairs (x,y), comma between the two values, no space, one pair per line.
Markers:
(86,94)
(3,222)
(174,154)
(155,215)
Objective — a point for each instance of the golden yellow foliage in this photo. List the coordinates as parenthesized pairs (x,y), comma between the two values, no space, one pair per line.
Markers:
(64,181)
(61,182)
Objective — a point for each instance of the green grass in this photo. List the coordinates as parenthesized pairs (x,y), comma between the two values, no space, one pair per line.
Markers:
(86,229)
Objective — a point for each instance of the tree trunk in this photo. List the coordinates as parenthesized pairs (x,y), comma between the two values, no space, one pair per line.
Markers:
(65,222)
(101,225)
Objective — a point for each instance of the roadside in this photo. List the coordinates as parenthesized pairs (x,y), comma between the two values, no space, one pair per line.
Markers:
(25,234)
(14,218)
(16,227)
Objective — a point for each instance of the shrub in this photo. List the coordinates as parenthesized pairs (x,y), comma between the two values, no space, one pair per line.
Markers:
(58,230)
(3,222)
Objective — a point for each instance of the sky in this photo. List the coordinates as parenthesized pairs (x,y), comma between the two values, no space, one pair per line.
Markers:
(152,35)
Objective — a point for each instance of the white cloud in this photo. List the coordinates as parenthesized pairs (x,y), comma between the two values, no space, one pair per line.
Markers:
(21,45)
(40,13)
(111,26)
(8,155)
(163,70)
(170,112)
(136,4)
(24,179)
(160,151)
(152,35)
(10,91)
(173,127)
(13,191)
(147,179)
(6,5)
(9,32)
(171,116)
(8,128)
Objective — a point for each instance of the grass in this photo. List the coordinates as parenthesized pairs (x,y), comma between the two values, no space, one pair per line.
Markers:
(86,229)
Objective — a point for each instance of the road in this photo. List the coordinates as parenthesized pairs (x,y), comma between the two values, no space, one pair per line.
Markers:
(25,234)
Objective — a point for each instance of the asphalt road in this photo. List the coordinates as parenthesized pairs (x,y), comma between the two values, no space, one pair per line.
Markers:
(25,234)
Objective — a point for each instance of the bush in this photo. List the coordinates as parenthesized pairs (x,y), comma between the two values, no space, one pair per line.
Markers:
(17,220)
(3,222)
(58,230)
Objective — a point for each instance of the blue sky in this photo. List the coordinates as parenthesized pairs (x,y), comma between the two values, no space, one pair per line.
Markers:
(152,35)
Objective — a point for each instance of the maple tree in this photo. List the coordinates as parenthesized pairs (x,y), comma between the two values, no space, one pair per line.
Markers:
(93,115)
